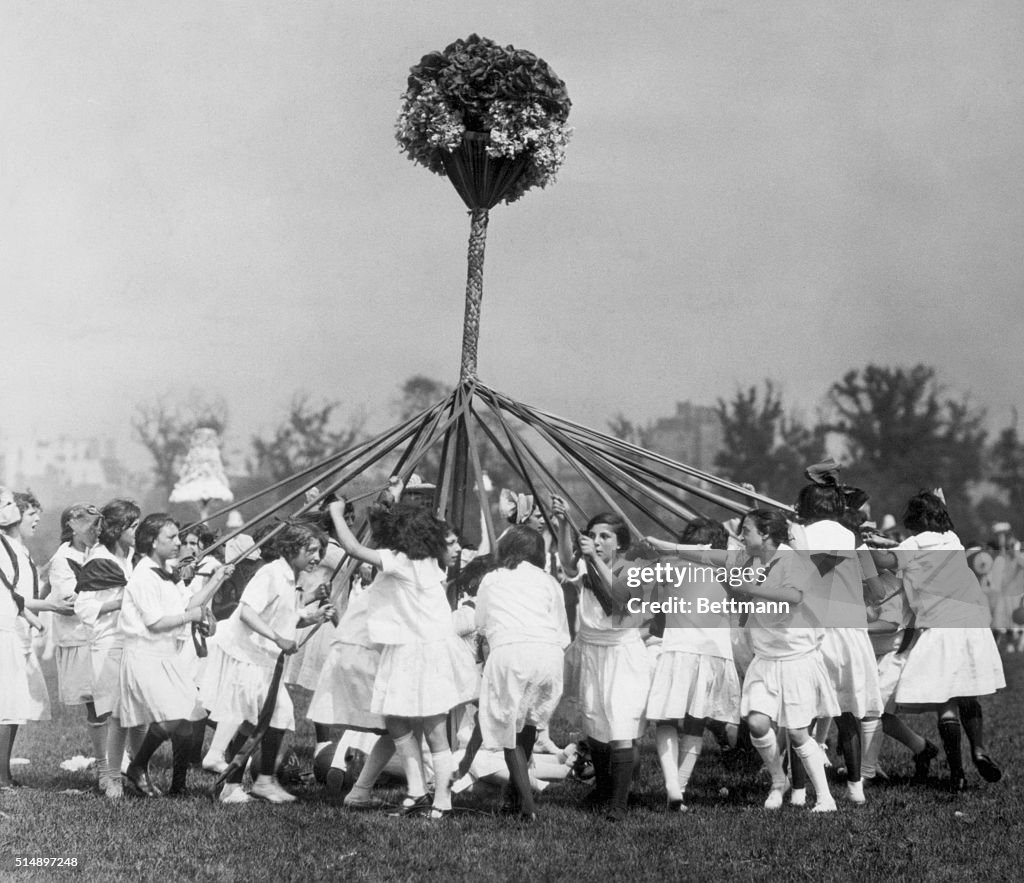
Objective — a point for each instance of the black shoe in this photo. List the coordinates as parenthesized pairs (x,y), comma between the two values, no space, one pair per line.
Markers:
(595,799)
(957,781)
(615,813)
(139,783)
(413,806)
(338,783)
(922,763)
(986,767)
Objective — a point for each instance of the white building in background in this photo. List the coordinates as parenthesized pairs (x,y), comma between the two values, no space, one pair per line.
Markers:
(62,461)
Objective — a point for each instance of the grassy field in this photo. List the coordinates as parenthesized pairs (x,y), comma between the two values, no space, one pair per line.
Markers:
(904,833)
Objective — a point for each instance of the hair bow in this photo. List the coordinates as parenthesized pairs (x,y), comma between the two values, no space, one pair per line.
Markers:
(825,473)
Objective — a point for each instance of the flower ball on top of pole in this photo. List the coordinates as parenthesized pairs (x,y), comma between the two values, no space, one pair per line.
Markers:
(493,120)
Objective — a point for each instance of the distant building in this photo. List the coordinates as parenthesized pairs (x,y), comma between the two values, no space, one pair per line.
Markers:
(693,435)
(62,461)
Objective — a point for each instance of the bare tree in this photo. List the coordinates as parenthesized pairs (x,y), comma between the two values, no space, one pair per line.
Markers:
(164,429)
(306,436)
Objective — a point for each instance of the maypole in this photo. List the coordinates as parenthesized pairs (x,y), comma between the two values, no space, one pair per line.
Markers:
(492,119)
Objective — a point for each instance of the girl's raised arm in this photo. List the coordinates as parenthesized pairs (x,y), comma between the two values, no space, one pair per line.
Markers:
(347,540)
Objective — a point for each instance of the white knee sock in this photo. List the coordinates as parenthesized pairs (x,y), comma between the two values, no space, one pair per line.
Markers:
(871,739)
(98,737)
(812,756)
(689,753)
(376,760)
(666,738)
(409,753)
(768,747)
(443,769)
(222,737)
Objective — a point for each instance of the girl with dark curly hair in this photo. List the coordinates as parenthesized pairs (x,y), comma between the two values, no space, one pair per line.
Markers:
(425,668)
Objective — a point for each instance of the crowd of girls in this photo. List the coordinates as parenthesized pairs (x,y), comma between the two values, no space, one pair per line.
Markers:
(858,636)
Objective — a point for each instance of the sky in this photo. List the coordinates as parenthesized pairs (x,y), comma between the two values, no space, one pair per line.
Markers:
(208,195)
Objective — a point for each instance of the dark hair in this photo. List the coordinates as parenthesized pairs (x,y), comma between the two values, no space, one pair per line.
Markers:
(852,519)
(770,522)
(268,551)
(616,523)
(411,529)
(26,500)
(925,511)
(705,532)
(470,576)
(817,502)
(206,538)
(294,538)
(150,529)
(518,544)
(118,516)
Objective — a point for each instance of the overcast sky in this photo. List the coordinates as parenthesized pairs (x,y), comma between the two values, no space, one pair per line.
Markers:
(208,194)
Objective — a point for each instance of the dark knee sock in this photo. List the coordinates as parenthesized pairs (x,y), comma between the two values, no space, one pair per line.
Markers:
(7,734)
(622,763)
(519,775)
(601,755)
(234,746)
(949,730)
(849,744)
(322,732)
(797,773)
(973,721)
(196,736)
(156,735)
(269,747)
(181,753)
(526,738)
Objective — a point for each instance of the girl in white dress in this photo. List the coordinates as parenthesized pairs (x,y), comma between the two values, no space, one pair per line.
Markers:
(695,678)
(521,611)
(955,658)
(99,591)
(155,686)
(607,666)
(425,667)
(787,683)
(240,671)
(16,705)
(837,581)
(25,576)
(79,530)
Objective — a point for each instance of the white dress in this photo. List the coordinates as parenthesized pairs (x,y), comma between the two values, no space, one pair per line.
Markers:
(106,643)
(955,654)
(15,698)
(70,634)
(25,579)
(304,667)
(522,614)
(425,668)
(344,691)
(787,680)
(608,671)
(837,582)
(694,674)
(155,684)
(237,680)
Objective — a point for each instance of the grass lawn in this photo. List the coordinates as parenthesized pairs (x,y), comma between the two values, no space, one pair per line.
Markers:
(904,833)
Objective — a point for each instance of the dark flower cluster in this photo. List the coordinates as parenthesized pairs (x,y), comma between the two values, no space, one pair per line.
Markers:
(473,73)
